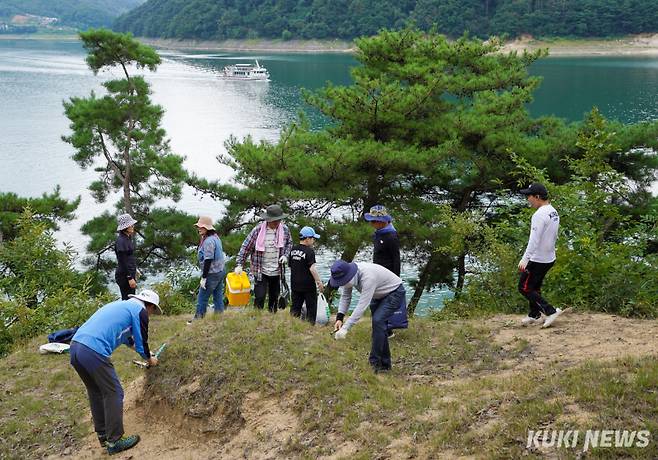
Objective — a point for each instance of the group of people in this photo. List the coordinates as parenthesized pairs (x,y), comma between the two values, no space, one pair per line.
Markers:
(269,248)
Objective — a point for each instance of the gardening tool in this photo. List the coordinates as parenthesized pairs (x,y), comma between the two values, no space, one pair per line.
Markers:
(144,364)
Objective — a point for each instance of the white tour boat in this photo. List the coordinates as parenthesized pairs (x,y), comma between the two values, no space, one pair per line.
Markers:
(245,72)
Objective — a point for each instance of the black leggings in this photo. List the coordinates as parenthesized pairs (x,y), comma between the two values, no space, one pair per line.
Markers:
(267,285)
(530,287)
(124,287)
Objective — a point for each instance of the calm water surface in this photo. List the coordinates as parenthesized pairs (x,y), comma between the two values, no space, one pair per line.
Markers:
(202,111)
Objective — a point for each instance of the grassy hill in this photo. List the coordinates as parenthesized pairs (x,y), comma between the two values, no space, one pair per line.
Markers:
(73,13)
(252,385)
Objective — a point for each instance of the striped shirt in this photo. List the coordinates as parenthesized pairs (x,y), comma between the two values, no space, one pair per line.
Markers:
(271,255)
(248,249)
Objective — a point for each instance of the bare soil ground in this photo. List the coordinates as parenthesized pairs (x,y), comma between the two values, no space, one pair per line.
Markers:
(270,424)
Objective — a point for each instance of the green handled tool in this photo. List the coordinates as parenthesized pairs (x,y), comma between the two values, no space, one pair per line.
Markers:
(145,365)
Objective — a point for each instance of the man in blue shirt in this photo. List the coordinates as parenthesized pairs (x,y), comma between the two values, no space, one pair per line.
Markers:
(121,322)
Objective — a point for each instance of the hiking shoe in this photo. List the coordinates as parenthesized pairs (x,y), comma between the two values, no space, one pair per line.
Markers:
(551,318)
(125,443)
(102,440)
(529,320)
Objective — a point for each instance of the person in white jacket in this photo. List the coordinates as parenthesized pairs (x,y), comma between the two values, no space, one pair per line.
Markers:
(382,290)
(539,255)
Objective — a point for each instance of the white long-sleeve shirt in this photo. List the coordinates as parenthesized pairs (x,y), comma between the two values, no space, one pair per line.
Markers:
(543,235)
(373,282)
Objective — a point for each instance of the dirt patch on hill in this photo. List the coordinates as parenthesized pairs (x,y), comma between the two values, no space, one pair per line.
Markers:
(269,425)
(574,339)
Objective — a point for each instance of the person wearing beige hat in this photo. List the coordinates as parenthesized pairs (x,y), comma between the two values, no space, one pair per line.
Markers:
(210,255)
(124,248)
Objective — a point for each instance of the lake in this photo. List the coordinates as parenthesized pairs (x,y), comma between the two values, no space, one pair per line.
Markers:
(202,111)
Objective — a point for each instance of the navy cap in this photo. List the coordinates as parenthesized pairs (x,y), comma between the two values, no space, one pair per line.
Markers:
(534,189)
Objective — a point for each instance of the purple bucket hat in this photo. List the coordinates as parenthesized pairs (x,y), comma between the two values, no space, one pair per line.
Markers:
(378,213)
(342,273)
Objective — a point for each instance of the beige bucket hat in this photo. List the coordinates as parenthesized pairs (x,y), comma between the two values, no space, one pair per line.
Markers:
(205,222)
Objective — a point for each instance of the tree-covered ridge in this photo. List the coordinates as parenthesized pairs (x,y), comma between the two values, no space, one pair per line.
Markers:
(76,13)
(347,19)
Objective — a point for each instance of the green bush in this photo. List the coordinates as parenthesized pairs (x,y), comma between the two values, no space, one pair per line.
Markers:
(178,291)
(40,289)
(604,261)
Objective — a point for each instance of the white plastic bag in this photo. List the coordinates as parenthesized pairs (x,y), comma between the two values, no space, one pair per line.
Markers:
(323,313)
(54,348)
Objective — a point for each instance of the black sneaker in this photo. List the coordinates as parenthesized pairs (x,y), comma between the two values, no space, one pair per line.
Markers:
(102,440)
(125,443)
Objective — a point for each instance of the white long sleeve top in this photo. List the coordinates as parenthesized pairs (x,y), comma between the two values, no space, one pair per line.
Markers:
(543,235)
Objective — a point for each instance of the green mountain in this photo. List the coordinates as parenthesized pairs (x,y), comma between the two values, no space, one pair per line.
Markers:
(73,13)
(346,19)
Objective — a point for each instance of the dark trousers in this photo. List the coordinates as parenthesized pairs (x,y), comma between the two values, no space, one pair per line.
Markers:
(124,287)
(530,283)
(268,285)
(382,309)
(311,298)
(103,389)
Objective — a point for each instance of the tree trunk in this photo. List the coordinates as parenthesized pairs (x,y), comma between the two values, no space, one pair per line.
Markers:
(461,274)
(420,287)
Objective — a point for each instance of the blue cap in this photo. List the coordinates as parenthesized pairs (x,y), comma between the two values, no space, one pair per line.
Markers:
(308,232)
(342,273)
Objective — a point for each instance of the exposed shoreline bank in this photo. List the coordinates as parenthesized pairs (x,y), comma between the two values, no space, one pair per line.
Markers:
(638,45)
(643,45)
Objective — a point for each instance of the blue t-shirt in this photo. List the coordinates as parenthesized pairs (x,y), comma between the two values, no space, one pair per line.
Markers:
(120,322)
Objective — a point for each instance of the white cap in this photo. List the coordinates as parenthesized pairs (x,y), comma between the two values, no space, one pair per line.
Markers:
(148,296)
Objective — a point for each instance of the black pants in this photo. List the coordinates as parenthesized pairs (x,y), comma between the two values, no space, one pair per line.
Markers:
(530,287)
(103,389)
(311,299)
(124,287)
(267,285)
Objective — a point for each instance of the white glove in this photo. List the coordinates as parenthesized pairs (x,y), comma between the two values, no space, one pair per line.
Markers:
(238,269)
(283,260)
(341,333)
(202,283)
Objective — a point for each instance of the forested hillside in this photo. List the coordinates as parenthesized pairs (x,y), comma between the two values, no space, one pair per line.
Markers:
(346,19)
(75,13)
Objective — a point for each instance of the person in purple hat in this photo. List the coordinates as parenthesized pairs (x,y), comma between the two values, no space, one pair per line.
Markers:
(386,251)
(386,244)
(539,255)
(380,289)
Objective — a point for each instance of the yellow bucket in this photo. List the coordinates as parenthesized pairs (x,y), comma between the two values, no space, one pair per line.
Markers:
(238,289)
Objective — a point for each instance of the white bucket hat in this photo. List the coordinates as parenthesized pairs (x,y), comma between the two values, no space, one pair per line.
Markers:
(148,296)
(124,221)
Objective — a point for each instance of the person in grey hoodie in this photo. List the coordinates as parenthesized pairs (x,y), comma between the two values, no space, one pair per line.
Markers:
(380,289)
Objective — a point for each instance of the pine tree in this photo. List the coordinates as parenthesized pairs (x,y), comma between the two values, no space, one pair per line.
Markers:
(120,134)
